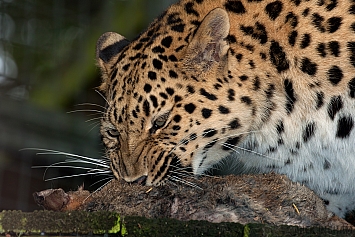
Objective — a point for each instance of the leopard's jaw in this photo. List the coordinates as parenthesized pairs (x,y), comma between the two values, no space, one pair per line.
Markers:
(271,82)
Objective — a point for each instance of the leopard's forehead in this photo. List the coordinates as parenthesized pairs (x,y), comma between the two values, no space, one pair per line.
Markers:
(146,66)
(145,82)
(147,75)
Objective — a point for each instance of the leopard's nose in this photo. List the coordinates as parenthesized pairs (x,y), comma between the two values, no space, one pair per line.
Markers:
(141,180)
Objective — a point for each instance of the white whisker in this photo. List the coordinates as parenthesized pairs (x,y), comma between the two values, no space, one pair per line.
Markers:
(231,147)
(93,119)
(207,175)
(53,152)
(254,152)
(104,164)
(94,126)
(180,180)
(181,168)
(78,175)
(68,166)
(91,104)
(98,166)
(101,180)
(55,165)
(86,110)
(102,96)
(98,189)
(182,175)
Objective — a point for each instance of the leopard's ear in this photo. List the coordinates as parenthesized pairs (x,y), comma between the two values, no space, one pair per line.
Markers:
(208,47)
(108,46)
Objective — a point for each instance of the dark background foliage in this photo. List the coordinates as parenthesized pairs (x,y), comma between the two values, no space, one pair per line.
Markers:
(47,71)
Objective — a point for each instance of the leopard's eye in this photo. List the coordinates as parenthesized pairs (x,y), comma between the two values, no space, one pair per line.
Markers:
(113,133)
(159,122)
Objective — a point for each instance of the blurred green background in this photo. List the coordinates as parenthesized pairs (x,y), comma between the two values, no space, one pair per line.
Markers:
(47,71)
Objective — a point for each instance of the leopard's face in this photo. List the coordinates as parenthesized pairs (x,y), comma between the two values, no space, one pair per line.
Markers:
(144,128)
(164,119)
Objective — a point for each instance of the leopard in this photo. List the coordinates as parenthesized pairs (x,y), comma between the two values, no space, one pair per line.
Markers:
(269,84)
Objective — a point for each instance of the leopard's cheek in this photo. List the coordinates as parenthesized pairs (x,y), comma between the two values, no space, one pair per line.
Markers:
(175,166)
(114,165)
(114,156)
(159,167)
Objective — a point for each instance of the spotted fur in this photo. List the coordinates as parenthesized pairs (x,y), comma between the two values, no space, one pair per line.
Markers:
(269,82)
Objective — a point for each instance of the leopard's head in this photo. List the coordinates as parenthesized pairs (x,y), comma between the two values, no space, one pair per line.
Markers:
(169,103)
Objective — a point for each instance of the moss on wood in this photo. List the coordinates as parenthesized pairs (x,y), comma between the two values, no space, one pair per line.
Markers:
(49,222)
(100,223)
